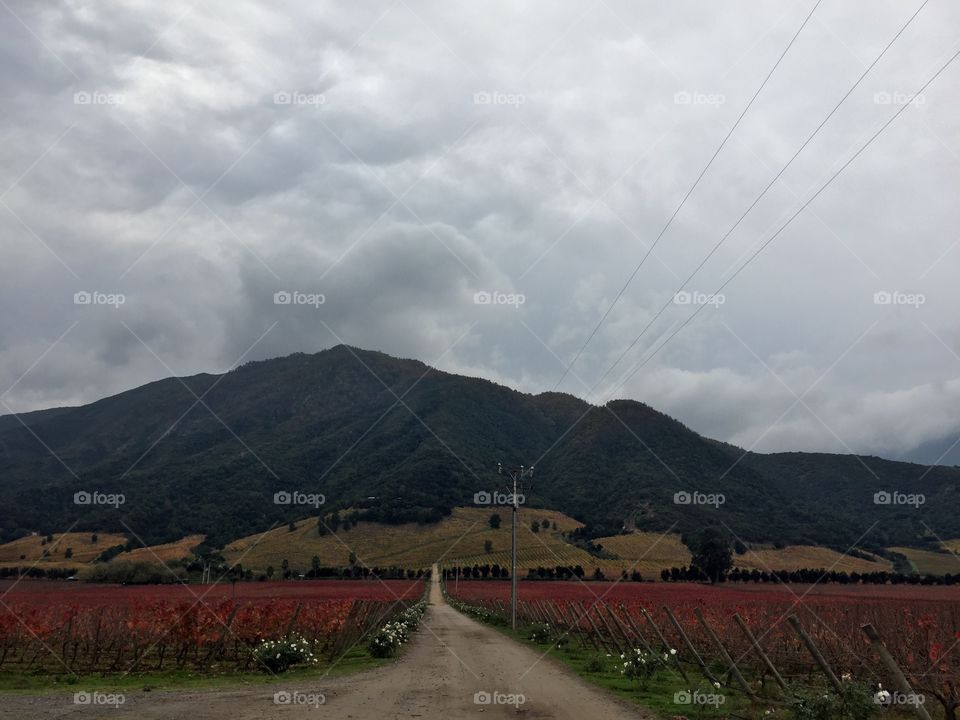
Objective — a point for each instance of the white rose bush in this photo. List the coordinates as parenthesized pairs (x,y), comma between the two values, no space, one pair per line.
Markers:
(388,640)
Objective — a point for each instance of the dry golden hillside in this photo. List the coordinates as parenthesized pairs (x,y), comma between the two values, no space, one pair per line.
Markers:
(168,552)
(35,550)
(952,546)
(458,538)
(927,562)
(794,557)
(645,552)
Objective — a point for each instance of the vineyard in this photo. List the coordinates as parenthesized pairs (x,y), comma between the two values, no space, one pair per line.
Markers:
(768,645)
(200,628)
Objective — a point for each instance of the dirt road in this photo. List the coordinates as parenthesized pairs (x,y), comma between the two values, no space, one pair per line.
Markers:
(453,668)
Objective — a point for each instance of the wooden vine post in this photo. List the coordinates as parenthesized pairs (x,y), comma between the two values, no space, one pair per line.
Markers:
(741,680)
(693,651)
(903,685)
(635,629)
(666,646)
(817,655)
(771,668)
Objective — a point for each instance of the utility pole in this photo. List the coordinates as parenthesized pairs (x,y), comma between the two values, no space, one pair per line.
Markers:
(516,475)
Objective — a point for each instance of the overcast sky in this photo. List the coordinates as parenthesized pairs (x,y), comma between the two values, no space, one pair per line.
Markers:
(397,158)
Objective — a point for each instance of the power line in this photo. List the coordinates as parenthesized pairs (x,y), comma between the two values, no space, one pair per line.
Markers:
(640,365)
(813,197)
(688,194)
(760,196)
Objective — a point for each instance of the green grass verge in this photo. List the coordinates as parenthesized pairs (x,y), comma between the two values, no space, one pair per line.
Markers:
(659,694)
(36,683)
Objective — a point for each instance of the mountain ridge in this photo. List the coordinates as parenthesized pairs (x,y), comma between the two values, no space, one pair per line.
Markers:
(331,422)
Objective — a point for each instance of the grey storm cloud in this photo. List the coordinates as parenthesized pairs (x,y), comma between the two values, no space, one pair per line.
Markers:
(400,157)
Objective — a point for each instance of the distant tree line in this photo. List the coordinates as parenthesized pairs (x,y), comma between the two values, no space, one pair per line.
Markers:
(38,572)
(477,572)
(568,572)
(357,572)
(809,576)
(316,571)
(154,573)
(557,572)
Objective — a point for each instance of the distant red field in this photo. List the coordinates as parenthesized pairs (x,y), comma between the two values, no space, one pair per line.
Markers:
(45,592)
(659,593)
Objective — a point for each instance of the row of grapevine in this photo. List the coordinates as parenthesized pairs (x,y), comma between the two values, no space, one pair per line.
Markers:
(158,635)
(767,650)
